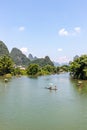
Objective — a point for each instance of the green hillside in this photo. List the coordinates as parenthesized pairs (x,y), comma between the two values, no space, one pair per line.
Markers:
(3,49)
(19,58)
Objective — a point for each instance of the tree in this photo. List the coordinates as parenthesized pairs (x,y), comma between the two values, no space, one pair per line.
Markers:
(78,68)
(6,65)
(32,69)
(17,71)
(49,68)
(64,68)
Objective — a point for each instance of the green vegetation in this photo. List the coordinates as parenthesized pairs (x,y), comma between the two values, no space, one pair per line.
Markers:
(16,63)
(13,63)
(49,69)
(78,68)
(32,69)
(42,61)
(64,68)
(3,49)
(8,69)
(18,57)
(6,65)
(7,76)
(17,71)
(36,70)
(21,60)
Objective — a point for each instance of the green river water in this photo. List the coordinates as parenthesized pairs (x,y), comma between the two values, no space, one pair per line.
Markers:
(25,104)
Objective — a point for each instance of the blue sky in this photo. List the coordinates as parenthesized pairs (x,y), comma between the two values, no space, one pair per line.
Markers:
(57,28)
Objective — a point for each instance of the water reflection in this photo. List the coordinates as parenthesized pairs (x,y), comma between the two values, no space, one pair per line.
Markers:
(81,88)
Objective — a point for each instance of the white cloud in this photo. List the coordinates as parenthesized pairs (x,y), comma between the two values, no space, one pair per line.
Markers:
(77,29)
(63,59)
(60,49)
(22,28)
(73,32)
(24,50)
(63,32)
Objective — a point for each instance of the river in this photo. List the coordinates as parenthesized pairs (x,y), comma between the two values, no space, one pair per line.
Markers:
(25,104)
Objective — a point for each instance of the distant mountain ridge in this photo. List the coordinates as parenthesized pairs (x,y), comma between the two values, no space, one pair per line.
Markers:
(43,61)
(20,59)
(31,58)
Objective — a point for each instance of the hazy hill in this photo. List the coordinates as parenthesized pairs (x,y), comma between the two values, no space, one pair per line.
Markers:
(3,49)
(43,61)
(31,58)
(56,63)
(19,58)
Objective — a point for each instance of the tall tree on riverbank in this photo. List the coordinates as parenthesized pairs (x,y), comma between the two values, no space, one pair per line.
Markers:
(6,65)
(32,69)
(78,68)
